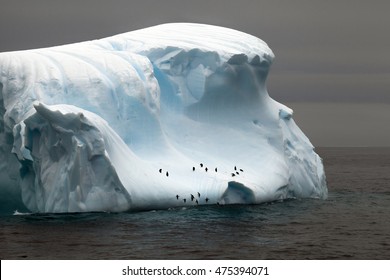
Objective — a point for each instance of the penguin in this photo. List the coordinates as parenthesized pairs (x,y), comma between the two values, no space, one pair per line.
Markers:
(185,200)
(177,197)
(196,201)
(160,170)
(167,174)
(207,199)
(198,194)
(241,170)
(235,167)
(216,169)
(193,168)
(201,165)
(192,197)
(237,173)
(206,169)
(233,174)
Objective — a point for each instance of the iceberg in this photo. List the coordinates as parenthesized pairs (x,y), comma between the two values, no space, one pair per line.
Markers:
(168,116)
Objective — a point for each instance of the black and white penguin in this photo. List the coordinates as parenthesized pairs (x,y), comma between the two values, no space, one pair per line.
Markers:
(177,197)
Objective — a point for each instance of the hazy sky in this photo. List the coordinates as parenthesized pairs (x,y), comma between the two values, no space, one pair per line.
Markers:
(335,51)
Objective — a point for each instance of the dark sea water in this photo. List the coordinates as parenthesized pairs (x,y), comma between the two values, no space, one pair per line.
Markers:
(353,223)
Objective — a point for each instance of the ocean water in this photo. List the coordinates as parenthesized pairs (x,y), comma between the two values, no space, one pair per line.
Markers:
(353,223)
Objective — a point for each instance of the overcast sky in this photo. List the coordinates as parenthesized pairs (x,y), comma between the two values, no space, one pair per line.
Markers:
(335,51)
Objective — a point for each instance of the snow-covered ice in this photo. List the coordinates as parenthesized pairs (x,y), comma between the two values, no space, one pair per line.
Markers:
(132,121)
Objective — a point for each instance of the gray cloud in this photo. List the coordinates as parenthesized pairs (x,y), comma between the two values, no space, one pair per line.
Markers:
(322,37)
(346,125)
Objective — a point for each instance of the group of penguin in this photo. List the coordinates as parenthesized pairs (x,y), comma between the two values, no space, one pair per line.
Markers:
(193,198)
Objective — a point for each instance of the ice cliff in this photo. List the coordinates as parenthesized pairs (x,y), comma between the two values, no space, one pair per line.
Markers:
(172,115)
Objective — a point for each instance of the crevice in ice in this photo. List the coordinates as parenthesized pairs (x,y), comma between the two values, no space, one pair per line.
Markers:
(10,196)
(2,110)
(237,193)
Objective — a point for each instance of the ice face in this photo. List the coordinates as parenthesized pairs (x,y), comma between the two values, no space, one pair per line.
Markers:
(172,115)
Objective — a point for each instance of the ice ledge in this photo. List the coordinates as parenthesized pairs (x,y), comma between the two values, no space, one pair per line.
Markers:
(65,162)
(187,36)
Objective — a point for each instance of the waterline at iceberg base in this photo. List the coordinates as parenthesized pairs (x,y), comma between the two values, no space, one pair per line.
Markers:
(168,116)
